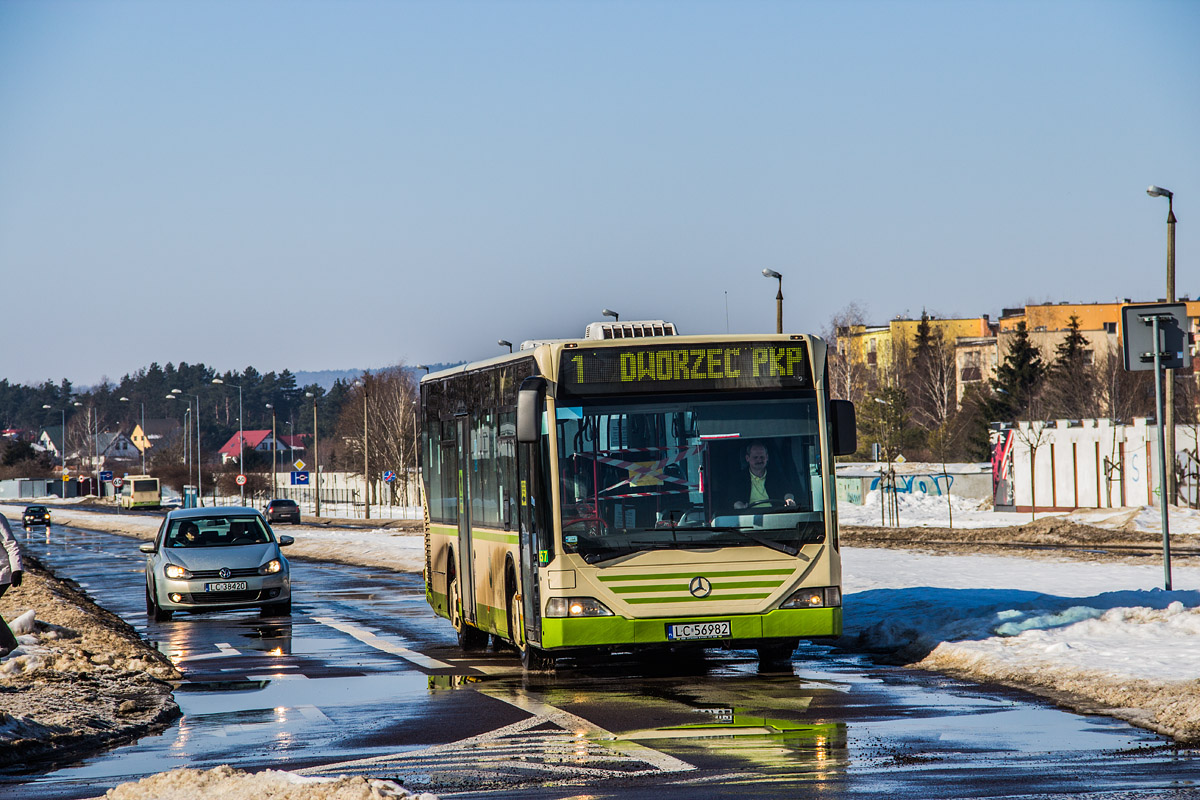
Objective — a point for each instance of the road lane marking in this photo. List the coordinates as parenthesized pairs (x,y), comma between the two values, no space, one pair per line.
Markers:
(386,645)
(224,650)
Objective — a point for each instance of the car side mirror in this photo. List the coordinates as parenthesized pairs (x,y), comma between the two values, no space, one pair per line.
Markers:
(844,427)
(148,547)
(285,540)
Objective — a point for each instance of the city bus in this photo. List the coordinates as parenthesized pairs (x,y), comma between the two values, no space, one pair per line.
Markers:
(595,495)
(140,491)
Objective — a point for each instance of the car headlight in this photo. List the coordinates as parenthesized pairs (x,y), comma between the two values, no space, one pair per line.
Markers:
(576,607)
(177,572)
(271,567)
(820,597)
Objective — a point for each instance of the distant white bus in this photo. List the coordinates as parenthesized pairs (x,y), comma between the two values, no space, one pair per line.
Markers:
(140,491)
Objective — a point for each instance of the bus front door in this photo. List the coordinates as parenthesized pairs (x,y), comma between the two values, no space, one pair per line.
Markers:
(466,550)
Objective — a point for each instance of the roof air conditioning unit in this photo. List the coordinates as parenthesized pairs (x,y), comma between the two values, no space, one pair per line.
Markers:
(636,329)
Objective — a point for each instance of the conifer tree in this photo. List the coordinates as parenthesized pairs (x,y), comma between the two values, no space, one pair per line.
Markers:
(1018,378)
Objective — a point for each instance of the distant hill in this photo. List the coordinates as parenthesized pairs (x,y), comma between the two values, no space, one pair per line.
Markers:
(326,377)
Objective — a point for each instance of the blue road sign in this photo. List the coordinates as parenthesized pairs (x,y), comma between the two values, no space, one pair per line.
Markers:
(389,476)
(299,479)
(106,474)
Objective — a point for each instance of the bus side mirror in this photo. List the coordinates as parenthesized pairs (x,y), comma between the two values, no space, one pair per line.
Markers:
(530,399)
(844,427)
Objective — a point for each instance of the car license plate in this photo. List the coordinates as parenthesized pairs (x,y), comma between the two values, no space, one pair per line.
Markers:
(698,630)
(227,586)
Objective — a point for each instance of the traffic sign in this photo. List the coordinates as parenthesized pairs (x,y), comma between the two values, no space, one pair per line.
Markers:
(241,480)
(66,472)
(300,478)
(389,476)
(299,465)
(118,482)
(106,474)
(66,477)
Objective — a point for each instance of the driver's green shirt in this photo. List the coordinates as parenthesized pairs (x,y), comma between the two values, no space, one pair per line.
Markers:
(758,489)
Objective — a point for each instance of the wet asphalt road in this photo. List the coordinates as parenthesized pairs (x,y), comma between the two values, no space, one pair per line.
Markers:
(363,679)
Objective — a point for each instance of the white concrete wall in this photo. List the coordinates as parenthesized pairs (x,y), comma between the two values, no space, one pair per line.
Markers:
(1068,463)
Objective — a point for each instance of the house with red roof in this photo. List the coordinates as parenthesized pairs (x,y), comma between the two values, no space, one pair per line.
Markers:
(252,440)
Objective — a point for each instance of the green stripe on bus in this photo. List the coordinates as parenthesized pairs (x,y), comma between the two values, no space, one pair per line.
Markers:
(495,536)
(699,570)
(689,598)
(682,587)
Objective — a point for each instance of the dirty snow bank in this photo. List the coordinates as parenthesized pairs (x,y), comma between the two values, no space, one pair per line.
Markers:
(80,680)
(232,784)
(1092,636)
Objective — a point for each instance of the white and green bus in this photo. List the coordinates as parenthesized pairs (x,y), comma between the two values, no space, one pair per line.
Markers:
(613,494)
(140,491)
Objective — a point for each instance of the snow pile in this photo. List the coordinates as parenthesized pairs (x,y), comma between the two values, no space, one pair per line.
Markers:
(232,784)
(922,510)
(1106,636)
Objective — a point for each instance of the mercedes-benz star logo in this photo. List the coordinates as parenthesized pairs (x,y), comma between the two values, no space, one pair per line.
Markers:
(700,587)
(224,572)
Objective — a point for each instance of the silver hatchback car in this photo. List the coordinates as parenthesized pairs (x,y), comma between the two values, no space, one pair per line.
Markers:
(208,559)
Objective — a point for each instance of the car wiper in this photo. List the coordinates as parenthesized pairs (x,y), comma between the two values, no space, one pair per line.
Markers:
(754,537)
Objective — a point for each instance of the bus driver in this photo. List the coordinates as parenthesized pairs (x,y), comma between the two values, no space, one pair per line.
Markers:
(759,486)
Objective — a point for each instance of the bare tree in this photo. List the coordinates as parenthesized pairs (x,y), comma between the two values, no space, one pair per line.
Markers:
(932,378)
(387,397)
(847,376)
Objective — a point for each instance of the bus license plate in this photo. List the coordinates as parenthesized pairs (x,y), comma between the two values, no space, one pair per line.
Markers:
(698,630)
(227,586)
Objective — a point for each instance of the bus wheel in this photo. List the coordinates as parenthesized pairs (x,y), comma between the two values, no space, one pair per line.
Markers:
(469,637)
(777,652)
(533,659)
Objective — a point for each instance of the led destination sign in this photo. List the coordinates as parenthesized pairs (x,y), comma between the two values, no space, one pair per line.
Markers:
(749,365)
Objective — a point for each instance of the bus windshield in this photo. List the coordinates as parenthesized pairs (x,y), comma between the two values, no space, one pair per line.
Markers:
(640,475)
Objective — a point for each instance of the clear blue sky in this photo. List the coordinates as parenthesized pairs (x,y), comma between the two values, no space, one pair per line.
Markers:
(320,185)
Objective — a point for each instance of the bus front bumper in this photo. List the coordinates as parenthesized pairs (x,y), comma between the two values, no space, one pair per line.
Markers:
(745,629)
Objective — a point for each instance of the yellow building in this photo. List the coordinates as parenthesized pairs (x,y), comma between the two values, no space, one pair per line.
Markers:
(876,345)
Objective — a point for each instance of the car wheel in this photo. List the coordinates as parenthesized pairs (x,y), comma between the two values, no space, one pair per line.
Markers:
(283,609)
(154,610)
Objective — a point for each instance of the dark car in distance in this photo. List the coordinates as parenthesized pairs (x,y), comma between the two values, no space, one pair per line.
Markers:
(279,510)
(35,515)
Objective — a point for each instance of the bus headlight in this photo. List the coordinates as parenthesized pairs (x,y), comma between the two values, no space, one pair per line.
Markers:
(576,607)
(271,567)
(177,572)
(820,597)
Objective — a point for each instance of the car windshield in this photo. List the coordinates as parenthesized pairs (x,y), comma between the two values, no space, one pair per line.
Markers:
(639,475)
(217,531)
(283,503)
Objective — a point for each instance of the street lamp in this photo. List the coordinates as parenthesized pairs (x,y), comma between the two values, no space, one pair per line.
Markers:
(366,461)
(505,343)
(95,444)
(144,439)
(770,273)
(316,458)
(196,420)
(241,436)
(63,455)
(1169,380)
(608,312)
(274,450)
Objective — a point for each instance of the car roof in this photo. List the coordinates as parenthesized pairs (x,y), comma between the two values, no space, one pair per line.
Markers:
(216,511)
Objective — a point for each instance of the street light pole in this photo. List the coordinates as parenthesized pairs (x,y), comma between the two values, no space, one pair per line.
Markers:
(366,459)
(144,438)
(316,458)
(274,450)
(241,438)
(1169,388)
(770,273)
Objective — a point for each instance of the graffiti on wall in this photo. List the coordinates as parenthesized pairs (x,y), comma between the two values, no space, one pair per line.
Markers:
(918,484)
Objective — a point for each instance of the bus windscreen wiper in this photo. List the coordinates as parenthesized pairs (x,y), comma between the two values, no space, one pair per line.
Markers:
(765,542)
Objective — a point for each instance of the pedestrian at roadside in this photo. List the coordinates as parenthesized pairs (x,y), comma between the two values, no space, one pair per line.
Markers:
(11,572)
